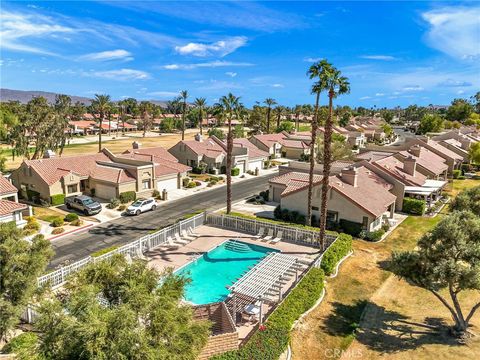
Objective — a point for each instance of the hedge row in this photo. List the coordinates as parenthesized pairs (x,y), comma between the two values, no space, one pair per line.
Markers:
(271,341)
(413,206)
(351,227)
(58,199)
(127,196)
(339,249)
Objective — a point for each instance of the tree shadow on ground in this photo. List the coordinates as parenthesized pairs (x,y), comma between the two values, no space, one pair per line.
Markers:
(383,330)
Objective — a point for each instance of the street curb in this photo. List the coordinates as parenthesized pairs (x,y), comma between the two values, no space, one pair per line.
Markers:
(71,232)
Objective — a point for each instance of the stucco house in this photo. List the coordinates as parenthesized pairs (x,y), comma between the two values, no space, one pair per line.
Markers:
(356,195)
(10,208)
(282,145)
(213,153)
(103,175)
(452,159)
(429,164)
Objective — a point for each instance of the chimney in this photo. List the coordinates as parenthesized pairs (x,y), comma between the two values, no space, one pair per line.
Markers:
(199,137)
(136,145)
(350,175)
(465,143)
(48,154)
(415,150)
(410,165)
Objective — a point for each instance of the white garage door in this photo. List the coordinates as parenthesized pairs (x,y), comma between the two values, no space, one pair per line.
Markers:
(252,165)
(105,191)
(169,184)
(241,166)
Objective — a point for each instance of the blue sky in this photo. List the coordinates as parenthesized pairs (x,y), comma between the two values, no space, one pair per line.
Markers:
(394,53)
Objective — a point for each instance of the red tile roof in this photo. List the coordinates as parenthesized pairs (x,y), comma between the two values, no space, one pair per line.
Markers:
(8,207)
(373,155)
(253,151)
(428,160)
(281,138)
(395,167)
(165,163)
(207,147)
(111,174)
(442,149)
(6,187)
(371,193)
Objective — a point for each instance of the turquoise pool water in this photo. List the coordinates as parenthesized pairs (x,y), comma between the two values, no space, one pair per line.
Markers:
(213,271)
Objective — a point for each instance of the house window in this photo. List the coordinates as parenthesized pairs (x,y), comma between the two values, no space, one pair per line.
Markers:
(146,184)
(72,188)
(377,222)
(315,208)
(365,223)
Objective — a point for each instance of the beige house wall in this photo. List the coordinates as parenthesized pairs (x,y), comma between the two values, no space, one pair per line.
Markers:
(33,182)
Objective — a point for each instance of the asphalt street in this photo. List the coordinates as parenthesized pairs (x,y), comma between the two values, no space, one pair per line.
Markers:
(128,228)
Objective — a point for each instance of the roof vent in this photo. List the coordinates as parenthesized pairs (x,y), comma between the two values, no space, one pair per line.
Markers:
(199,137)
(136,145)
(49,154)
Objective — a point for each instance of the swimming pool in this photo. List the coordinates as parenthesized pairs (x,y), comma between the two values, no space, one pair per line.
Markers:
(214,270)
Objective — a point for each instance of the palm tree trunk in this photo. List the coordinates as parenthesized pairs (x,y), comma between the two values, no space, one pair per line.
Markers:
(200,123)
(123,124)
(100,135)
(183,120)
(297,122)
(268,120)
(312,162)
(327,141)
(229,165)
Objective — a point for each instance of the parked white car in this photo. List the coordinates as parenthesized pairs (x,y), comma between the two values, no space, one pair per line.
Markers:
(141,205)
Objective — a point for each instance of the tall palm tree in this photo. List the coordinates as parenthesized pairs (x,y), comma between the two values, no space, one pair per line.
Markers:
(200,104)
(336,85)
(279,112)
(184,96)
(100,106)
(269,102)
(230,105)
(297,111)
(316,71)
(146,110)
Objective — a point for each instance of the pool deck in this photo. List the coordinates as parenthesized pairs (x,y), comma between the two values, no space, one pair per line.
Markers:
(210,237)
(163,258)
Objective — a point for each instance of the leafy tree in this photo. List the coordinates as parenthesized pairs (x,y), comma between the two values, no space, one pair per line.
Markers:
(167,125)
(430,123)
(117,310)
(339,151)
(387,115)
(21,262)
(146,113)
(467,200)
(63,108)
(476,101)
(287,126)
(238,132)
(216,132)
(279,112)
(413,113)
(448,258)
(474,153)
(344,119)
(460,110)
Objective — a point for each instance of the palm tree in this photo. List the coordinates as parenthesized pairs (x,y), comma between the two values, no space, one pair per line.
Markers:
(279,112)
(336,85)
(316,71)
(230,106)
(269,102)
(100,105)
(298,111)
(200,104)
(146,109)
(184,96)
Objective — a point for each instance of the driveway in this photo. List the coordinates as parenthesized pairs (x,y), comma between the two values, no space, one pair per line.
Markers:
(126,229)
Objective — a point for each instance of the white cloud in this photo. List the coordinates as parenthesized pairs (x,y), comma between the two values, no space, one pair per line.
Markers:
(365,97)
(378,57)
(121,74)
(17,28)
(379,94)
(219,48)
(231,73)
(118,54)
(413,88)
(211,64)
(312,59)
(460,92)
(220,85)
(454,31)
(278,85)
(455,83)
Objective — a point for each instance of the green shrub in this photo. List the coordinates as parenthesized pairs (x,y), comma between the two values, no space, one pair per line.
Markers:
(185,181)
(191,185)
(156,193)
(28,232)
(198,183)
(350,227)
(77,222)
(338,250)
(58,199)
(32,225)
(70,217)
(461,177)
(58,230)
(114,202)
(413,206)
(57,222)
(375,235)
(127,196)
(122,207)
(235,171)
(104,251)
(23,346)
(270,343)
(456,174)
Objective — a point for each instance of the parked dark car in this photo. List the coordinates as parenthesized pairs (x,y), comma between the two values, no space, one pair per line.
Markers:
(84,204)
